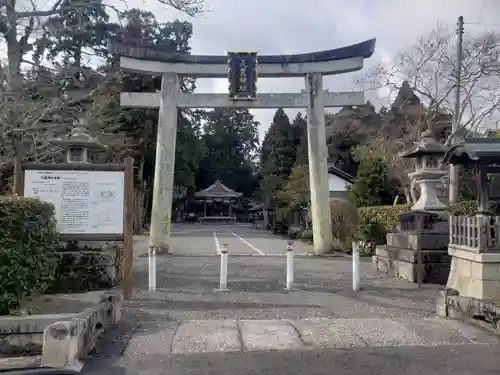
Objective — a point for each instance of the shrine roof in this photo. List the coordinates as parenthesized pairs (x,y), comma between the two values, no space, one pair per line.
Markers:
(332,169)
(217,190)
(364,49)
(474,151)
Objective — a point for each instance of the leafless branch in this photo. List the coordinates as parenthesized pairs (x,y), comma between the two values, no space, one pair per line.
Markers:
(190,7)
(41,13)
(429,67)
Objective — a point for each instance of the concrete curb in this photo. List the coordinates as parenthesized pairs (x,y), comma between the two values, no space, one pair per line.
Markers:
(66,343)
(23,335)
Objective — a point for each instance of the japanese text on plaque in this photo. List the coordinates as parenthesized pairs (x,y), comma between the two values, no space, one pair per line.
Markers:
(242,75)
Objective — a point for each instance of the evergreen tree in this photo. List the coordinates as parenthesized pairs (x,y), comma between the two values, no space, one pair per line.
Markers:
(278,154)
(231,141)
(299,127)
(371,186)
(278,148)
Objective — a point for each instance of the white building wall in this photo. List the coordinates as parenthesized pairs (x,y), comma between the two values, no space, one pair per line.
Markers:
(335,183)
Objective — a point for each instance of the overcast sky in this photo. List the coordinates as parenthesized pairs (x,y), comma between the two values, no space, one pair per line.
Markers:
(297,26)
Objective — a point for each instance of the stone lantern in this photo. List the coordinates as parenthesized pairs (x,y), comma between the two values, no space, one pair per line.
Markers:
(428,173)
(79,144)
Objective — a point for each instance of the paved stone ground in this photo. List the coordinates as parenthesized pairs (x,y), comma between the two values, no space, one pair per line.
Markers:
(185,327)
(204,239)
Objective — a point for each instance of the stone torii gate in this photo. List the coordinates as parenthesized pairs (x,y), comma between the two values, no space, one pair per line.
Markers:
(171,67)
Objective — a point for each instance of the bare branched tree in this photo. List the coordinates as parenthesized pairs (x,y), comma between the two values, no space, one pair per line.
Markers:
(42,119)
(429,67)
(29,119)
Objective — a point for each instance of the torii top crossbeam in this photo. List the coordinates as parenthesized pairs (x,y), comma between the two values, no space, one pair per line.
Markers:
(147,60)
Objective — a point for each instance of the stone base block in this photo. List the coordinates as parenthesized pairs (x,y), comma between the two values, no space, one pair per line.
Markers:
(475,275)
(428,241)
(66,343)
(403,263)
(451,305)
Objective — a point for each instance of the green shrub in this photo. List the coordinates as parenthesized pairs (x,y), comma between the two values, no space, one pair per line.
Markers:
(469,208)
(376,221)
(345,222)
(28,245)
(83,271)
(372,184)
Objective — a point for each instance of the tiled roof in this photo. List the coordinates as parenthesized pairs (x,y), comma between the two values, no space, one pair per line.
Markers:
(217,190)
(340,173)
(473,151)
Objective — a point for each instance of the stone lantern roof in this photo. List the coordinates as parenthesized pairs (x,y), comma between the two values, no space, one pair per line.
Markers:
(426,146)
(79,144)
(78,137)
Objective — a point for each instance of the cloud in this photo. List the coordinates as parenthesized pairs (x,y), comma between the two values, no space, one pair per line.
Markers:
(295,26)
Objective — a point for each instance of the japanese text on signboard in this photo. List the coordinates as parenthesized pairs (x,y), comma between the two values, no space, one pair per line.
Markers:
(242,75)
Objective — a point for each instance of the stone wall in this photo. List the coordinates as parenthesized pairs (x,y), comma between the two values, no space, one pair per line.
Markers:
(86,267)
(399,258)
(475,275)
(23,335)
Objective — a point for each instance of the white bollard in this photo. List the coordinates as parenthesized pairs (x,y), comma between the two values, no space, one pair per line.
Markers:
(355,266)
(152,269)
(223,268)
(289,266)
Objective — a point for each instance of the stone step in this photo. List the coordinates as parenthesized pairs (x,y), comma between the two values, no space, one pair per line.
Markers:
(20,362)
(205,336)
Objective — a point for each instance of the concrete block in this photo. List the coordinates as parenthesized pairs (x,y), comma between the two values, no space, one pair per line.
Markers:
(198,336)
(24,334)
(441,308)
(383,332)
(65,343)
(61,346)
(490,290)
(269,335)
(150,339)
(485,271)
(327,333)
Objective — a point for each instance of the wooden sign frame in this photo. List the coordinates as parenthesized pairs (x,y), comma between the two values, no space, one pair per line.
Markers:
(128,212)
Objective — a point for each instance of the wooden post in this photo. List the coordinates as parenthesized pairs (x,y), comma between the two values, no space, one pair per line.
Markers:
(18,180)
(128,229)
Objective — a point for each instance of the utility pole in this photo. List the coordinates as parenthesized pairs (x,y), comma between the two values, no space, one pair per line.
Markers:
(454,172)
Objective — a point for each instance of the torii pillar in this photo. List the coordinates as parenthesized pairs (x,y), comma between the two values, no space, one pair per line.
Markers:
(312,66)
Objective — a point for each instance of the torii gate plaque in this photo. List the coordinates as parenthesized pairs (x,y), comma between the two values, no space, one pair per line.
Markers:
(312,66)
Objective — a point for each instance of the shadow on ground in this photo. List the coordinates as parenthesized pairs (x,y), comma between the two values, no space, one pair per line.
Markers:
(463,360)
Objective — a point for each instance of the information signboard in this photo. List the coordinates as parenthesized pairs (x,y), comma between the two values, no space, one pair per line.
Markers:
(86,201)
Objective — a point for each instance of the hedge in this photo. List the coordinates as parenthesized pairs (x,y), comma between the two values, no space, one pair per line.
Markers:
(469,208)
(28,245)
(376,221)
(83,271)
(345,221)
